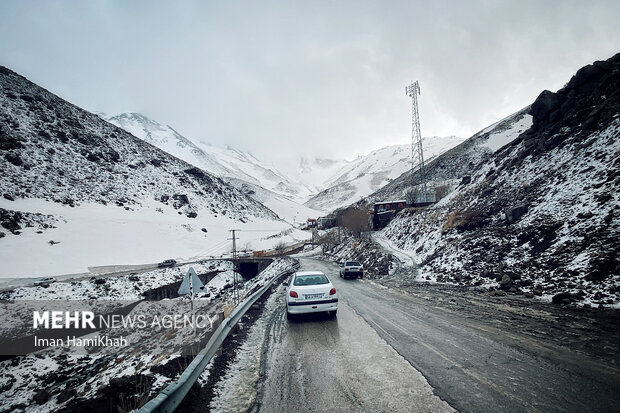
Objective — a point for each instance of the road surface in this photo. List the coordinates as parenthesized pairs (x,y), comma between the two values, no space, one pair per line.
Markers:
(389,351)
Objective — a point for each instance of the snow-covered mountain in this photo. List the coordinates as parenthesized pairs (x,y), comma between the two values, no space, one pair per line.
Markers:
(366,174)
(537,212)
(288,210)
(225,162)
(78,191)
(448,168)
(328,184)
(238,168)
(312,173)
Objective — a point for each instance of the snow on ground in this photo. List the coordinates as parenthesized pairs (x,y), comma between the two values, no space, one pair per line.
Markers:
(290,211)
(96,235)
(236,392)
(310,174)
(122,288)
(284,206)
(408,258)
(223,161)
(561,245)
(367,174)
(502,137)
(309,251)
(143,368)
(391,161)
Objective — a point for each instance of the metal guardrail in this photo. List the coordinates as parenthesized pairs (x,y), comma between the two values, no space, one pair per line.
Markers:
(287,250)
(172,396)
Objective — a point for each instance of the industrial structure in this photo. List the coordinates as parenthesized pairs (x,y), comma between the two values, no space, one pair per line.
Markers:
(422,196)
(383,212)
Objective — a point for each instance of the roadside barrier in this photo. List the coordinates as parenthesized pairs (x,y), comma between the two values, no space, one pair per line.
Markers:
(172,396)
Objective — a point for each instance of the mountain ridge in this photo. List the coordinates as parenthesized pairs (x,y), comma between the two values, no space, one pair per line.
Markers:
(242,169)
(74,185)
(368,174)
(538,216)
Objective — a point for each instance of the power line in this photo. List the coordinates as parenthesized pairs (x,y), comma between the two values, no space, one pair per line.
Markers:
(220,246)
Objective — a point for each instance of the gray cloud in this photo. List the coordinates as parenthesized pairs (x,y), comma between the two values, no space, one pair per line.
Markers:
(319,78)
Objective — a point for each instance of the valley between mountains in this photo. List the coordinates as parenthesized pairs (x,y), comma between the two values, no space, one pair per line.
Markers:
(501,296)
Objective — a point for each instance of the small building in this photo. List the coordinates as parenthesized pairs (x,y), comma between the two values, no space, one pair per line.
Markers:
(424,199)
(383,212)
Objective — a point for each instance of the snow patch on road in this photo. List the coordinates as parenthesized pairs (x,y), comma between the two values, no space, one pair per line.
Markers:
(236,392)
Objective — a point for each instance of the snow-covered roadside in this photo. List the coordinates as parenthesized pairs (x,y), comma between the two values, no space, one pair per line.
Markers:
(125,287)
(96,235)
(236,392)
(309,251)
(59,377)
(278,266)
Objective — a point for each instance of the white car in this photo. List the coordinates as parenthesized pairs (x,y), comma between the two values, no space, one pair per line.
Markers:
(310,292)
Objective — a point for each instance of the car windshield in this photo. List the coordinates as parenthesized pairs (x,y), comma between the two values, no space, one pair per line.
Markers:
(352,264)
(312,279)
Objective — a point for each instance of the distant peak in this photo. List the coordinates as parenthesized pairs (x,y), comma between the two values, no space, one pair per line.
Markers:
(133,116)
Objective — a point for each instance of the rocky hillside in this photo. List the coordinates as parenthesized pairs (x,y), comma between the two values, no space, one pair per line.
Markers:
(541,214)
(237,168)
(59,161)
(56,151)
(232,165)
(450,166)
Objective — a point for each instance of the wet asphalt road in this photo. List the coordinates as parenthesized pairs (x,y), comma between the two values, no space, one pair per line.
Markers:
(388,351)
(318,363)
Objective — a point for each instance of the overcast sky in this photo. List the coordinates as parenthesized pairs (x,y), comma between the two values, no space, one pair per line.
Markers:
(320,78)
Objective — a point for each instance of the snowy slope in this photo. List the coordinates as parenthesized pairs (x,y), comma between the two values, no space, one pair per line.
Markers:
(240,169)
(328,184)
(540,214)
(225,162)
(92,378)
(368,173)
(448,168)
(78,191)
(287,209)
(312,174)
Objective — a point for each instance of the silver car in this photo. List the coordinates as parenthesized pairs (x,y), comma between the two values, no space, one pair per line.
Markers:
(351,269)
(310,292)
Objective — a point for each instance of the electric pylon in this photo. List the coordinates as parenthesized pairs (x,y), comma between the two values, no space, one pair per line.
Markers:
(413,90)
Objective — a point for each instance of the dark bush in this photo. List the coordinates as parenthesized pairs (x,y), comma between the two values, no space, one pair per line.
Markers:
(14,159)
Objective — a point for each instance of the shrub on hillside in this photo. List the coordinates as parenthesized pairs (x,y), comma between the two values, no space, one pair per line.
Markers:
(464,220)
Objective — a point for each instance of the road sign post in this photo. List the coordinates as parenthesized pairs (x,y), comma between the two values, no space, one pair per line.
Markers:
(191,283)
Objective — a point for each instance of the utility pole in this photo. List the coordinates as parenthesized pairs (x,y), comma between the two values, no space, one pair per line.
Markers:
(413,90)
(234,251)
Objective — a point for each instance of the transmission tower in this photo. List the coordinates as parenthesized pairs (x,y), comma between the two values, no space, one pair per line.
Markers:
(413,90)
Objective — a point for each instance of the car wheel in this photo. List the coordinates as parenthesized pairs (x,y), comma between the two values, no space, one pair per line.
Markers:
(333,314)
(361,276)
